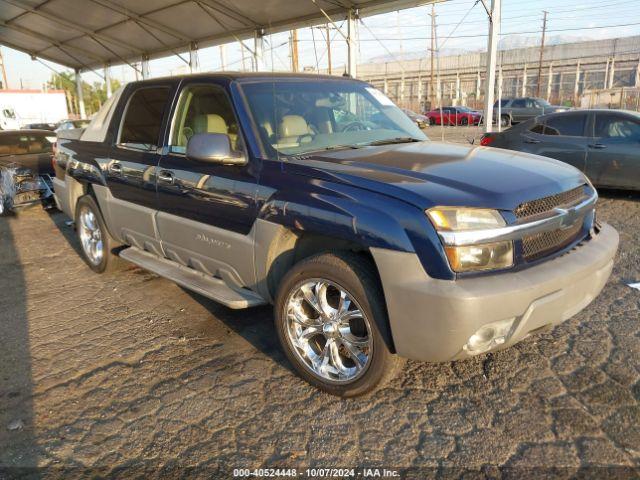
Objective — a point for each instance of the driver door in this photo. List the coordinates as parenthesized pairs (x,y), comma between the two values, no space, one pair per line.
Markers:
(207,210)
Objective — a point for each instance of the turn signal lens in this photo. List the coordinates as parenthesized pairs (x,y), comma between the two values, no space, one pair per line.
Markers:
(491,256)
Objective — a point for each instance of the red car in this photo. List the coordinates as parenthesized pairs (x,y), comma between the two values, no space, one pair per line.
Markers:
(454,116)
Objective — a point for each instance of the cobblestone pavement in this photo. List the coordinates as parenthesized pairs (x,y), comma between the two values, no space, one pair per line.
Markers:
(127,371)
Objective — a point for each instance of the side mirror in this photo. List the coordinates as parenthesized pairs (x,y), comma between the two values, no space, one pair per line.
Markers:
(213,148)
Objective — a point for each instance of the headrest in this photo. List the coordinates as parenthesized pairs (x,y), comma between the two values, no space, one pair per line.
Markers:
(210,123)
(293,126)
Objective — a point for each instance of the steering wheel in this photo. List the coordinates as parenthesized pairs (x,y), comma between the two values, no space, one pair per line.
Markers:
(354,127)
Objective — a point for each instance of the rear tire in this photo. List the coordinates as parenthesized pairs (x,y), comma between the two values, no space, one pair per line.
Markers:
(464,121)
(95,242)
(327,312)
(505,121)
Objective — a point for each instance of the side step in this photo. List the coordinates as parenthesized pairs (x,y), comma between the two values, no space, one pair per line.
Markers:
(207,286)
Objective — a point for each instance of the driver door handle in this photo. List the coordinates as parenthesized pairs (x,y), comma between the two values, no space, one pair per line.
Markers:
(597,146)
(166,176)
(531,140)
(115,168)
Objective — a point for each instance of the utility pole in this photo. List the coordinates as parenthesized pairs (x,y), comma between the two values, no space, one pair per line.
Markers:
(328,49)
(294,50)
(5,85)
(433,49)
(492,53)
(544,33)
(223,57)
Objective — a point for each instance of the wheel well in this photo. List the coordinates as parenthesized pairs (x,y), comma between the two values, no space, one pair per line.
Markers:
(292,247)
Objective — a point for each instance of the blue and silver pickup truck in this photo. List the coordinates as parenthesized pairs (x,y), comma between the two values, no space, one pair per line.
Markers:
(318,195)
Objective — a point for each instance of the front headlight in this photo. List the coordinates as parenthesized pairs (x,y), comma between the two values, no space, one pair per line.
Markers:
(466,258)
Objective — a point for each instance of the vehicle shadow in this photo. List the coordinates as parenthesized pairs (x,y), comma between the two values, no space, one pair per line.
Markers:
(60,220)
(255,325)
(619,194)
(19,451)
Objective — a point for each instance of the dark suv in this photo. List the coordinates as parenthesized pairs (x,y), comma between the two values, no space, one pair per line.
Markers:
(319,195)
(516,110)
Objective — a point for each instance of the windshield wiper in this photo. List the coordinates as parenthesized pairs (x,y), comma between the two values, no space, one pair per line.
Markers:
(391,141)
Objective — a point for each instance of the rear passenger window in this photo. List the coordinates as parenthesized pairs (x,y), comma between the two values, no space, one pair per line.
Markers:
(566,125)
(521,103)
(143,118)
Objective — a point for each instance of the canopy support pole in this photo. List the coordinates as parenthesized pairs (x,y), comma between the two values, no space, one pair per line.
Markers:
(258,51)
(194,61)
(492,54)
(107,79)
(145,67)
(352,43)
(80,93)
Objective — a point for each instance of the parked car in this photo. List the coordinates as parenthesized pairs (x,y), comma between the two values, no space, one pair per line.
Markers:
(25,168)
(71,124)
(420,120)
(372,242)
(516,110)
(40,126)
(454,116)
(604,144)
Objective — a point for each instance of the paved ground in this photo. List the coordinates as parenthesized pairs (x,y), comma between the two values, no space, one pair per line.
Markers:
(127,373)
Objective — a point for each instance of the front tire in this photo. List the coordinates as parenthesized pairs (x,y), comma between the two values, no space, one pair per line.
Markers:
(328,313)
(505,121)
(95,242)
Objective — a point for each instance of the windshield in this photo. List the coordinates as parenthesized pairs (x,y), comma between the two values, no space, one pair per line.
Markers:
(20,144)
(300,117)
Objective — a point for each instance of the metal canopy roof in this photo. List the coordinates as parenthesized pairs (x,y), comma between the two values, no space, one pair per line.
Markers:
(89,34)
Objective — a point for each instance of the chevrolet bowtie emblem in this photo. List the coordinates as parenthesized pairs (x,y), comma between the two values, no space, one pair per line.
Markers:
(568,217)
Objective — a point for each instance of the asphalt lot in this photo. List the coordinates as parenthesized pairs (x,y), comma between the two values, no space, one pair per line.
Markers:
(128,374)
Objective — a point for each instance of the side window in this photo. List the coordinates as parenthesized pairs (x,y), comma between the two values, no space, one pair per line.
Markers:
(566,125)
(615,126)
(203,109)
(142,121)
(520,103)
(537,128)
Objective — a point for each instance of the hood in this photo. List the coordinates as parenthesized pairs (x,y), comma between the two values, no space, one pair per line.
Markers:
(427,174)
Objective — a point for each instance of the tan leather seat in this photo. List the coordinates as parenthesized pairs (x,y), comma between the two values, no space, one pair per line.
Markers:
(291,130)
(213,123)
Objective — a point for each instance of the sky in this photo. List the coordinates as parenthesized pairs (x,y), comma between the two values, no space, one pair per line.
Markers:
(461,24)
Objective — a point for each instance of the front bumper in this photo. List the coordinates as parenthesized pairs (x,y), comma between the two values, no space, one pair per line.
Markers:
(431,320)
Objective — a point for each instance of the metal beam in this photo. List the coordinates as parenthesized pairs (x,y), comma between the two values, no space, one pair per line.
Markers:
(61,21)
(114,7)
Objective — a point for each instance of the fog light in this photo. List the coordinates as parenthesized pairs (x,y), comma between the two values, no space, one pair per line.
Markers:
(489,336)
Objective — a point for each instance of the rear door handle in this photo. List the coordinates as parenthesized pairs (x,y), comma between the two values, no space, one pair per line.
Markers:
(115,168)
(597,146)
(166,176)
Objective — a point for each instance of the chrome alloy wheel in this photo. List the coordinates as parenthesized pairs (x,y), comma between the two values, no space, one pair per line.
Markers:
(90,236)
(329,332)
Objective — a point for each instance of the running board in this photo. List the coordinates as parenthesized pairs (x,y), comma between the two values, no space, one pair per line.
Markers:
(207,286)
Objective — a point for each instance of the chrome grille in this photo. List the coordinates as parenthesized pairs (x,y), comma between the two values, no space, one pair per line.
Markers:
(547,204)
(541,244)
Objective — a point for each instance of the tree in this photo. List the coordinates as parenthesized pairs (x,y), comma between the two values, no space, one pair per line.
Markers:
(94,94)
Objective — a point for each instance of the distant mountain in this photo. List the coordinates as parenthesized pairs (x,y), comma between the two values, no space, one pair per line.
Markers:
(414,55)
(522,41)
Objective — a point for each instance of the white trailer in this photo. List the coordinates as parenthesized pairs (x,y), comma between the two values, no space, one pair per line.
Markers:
(20,107)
